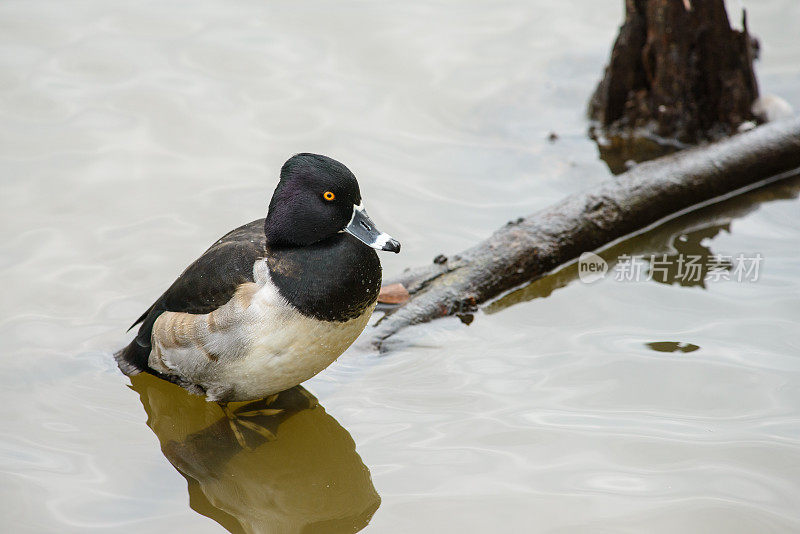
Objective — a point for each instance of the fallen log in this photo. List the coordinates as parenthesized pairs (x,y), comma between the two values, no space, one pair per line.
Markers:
(676,235)
(529,247)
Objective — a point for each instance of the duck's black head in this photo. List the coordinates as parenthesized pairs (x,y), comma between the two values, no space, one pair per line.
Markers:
(316,198)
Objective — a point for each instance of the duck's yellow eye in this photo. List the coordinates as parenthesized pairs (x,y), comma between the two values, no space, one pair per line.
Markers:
(328,195)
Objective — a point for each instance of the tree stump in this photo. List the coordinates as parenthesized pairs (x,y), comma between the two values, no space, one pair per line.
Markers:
(678,75)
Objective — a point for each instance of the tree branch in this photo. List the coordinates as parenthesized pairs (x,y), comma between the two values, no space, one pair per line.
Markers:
(531,246)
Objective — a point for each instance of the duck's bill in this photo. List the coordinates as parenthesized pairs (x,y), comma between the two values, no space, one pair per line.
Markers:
(362,228)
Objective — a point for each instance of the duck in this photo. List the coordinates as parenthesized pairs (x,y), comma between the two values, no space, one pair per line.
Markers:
(273,302)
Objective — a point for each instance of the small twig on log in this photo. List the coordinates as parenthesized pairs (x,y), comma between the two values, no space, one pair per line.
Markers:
(531,246)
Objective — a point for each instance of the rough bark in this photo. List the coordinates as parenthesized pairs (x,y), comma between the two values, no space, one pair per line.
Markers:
(678,75)
(531,246)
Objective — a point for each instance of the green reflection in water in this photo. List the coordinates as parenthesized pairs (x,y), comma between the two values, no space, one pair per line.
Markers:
(618,150)
(309,478)
(689,245)
(671,346)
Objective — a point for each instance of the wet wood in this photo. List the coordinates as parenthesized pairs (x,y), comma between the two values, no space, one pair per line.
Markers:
(529,247)
(678,75)
(393,294)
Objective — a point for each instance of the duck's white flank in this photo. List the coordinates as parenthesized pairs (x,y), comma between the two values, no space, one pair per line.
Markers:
(255,345)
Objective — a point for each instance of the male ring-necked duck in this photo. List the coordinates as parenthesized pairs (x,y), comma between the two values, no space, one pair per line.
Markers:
(273,302)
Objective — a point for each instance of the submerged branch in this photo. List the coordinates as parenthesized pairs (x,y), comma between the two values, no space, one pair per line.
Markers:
(531,246)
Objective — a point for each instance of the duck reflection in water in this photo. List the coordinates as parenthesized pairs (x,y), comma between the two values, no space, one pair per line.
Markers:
(290,468)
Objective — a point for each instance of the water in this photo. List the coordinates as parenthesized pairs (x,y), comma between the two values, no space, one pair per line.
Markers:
(133,135)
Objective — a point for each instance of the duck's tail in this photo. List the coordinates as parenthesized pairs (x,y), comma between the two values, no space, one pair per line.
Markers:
(132,360)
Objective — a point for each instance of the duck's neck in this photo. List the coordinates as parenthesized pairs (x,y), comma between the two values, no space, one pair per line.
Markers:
(336,279)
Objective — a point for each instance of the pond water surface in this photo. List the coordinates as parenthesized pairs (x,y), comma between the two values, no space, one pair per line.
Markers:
(133,134)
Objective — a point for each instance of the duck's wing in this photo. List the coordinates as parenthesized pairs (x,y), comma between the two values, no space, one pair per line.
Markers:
(208,283)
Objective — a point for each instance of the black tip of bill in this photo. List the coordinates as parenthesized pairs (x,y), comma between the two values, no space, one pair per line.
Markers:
(393,245)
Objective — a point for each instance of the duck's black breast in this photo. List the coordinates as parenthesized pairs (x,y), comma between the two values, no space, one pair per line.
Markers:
(336,279)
